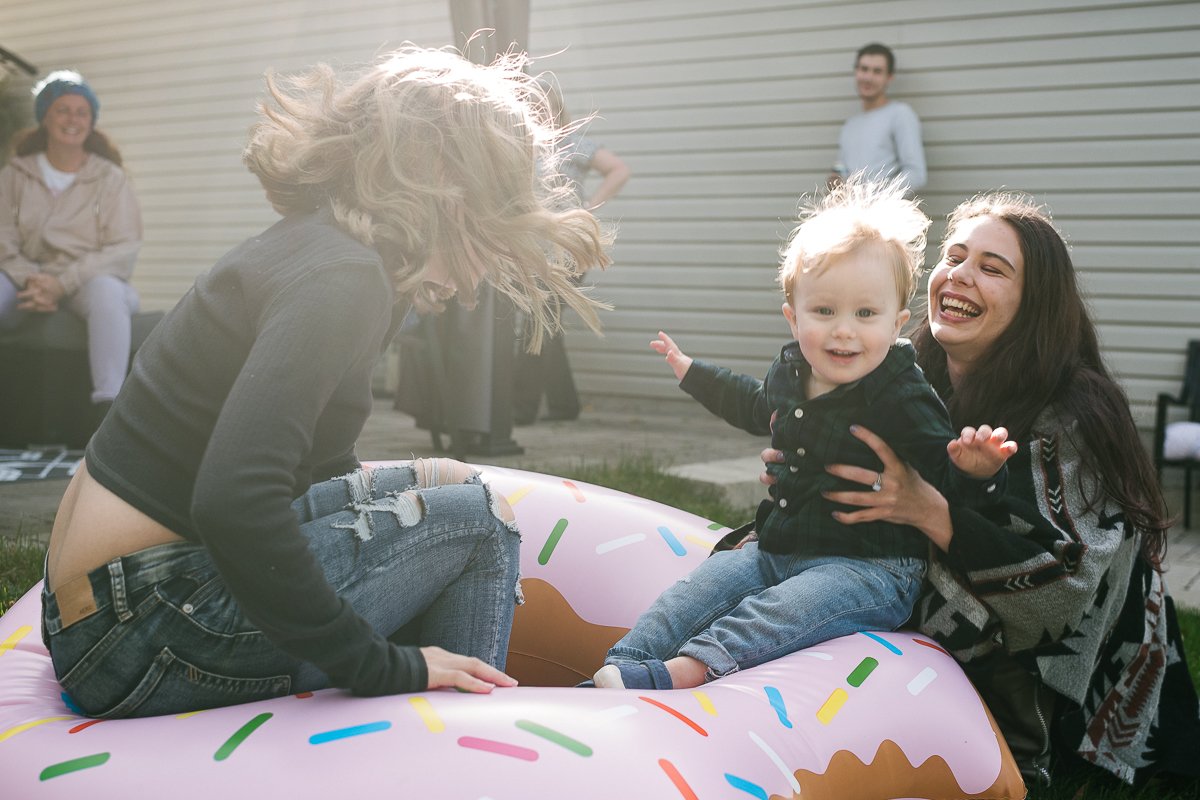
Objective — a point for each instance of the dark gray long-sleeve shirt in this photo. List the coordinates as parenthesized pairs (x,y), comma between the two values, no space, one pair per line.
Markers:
(254,387)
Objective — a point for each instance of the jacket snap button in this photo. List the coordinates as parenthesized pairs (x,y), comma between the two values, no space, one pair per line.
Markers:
(800,451)
(783,503)
(799,413)
(187,608)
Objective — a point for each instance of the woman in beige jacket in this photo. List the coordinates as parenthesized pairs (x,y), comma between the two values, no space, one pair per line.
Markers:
(70,228)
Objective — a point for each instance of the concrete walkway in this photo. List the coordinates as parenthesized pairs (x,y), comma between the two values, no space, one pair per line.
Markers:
(679,435)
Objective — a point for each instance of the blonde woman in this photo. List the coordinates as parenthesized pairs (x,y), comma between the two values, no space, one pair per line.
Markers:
(220,543)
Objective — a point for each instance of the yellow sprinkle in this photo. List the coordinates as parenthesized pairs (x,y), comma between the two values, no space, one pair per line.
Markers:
(705,703)
(700,541)
(518,495)
(11,642)
(832,706)
(187,714)
(24,726)
(428,715)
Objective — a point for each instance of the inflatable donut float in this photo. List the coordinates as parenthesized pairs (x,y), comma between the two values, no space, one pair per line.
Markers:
(876,715)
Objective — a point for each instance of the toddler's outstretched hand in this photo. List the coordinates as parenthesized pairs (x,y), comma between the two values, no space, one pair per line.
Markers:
(679,361)
(981,452)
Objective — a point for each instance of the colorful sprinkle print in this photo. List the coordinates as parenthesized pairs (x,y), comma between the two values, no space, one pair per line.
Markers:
(777,761)
(499,748)
(932,646)
(676,546)
(70,704)
(11,642)
(13,731)
(552,542)
(776,700)
(616,544)
(425,711)
(832,706)
(578,495)
(702,543)
(715,526)
(678,715)
(346,733)
(551,735)
(239,736)
(923,679)
(752,789)
(74,765)
(680,784)
(862,672)
(83,726)
(883,642)
(705,703)
(518,495)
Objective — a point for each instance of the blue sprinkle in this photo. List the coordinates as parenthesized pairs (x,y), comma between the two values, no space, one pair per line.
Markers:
(344,733)
(883,642)
(777,703)
(746,786)
(70,704)
(675,544)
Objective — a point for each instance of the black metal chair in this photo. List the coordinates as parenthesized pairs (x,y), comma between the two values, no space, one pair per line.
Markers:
(1189,398)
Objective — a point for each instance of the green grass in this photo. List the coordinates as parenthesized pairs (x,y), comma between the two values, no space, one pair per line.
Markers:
(21,568)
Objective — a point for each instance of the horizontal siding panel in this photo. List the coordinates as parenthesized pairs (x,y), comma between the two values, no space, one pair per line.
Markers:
(726,114)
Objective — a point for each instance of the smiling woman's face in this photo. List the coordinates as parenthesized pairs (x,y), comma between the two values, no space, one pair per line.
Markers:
(975,292)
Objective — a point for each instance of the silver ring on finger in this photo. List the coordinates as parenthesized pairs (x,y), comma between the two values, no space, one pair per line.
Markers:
(877,486)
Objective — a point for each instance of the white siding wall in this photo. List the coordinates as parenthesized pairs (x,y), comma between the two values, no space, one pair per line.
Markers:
(726,112)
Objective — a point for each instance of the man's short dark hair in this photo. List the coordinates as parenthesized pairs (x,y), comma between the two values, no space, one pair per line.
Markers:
(877,49)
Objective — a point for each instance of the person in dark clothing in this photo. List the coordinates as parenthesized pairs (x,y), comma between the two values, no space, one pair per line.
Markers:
(548,372)
(221,543)
(1055,603)
(847,277)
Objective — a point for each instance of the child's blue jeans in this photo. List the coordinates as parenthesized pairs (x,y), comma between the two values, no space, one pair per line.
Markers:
(742,608)
(168,636)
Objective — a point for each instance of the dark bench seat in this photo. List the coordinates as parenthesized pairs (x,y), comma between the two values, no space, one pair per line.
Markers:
(45,381)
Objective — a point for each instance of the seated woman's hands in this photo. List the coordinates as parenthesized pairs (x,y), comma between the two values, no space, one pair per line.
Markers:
(903,496)
(469,674)
(677,360)
(981,452)
(41,294)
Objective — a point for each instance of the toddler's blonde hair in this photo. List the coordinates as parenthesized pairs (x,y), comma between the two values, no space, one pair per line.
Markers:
(856,214)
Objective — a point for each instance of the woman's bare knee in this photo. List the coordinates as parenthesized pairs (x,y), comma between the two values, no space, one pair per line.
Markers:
(441,472)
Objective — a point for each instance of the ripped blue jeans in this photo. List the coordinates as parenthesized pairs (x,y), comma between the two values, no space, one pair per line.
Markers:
(425,566)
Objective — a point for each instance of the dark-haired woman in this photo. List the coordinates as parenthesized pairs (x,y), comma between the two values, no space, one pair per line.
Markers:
(1056,605)
(70,228)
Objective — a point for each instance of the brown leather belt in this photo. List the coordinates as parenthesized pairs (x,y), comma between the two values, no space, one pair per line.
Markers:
(75,601)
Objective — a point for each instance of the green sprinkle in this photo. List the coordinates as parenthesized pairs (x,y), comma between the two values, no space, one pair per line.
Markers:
(562,740)
(864,668)
(231,744)
(552,542)
(74,765)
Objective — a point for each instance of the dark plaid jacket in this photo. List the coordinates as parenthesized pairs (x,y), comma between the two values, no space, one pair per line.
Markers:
(894,401)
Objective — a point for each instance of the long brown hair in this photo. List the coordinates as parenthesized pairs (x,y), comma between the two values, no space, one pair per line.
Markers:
(1050,355)
(35,140)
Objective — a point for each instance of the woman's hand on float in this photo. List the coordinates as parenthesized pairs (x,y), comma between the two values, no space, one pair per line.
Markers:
(677,360)
(898,494)
(452,670)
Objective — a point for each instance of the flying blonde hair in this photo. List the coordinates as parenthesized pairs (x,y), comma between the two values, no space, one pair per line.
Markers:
(426,153)
(855,214)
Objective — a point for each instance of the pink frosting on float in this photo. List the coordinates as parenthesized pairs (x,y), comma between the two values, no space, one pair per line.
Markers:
(744,735)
